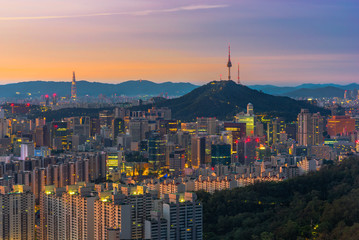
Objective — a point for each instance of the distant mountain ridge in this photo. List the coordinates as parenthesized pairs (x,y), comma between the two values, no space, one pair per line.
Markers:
(145,87)
(327,92)
(128,88)
(306,90)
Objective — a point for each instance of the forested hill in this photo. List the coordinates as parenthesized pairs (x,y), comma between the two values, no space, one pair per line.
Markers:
(223,99)
(322,205)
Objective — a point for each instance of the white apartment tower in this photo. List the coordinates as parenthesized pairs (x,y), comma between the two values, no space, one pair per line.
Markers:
(184,216)
(17,214)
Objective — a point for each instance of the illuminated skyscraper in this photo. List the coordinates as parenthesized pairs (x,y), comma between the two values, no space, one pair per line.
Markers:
(73,87)
(114,160)
(156,150)
(249,119)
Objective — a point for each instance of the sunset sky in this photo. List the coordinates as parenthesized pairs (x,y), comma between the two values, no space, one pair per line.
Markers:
(281,42)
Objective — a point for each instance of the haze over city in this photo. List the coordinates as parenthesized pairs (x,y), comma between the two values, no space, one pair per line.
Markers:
(276,42)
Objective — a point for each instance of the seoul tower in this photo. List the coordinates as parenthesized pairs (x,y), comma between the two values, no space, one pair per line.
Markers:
(229,64)
(73,87)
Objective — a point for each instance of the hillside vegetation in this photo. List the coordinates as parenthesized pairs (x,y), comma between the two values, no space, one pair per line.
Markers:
(223,99)
(321,205)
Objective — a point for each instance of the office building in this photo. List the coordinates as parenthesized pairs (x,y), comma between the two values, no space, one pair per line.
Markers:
(156,150)
(221,154)
(105,118)
(340,125)
(114,160)
(238,131)
(207,126)
(198,151)
(246,150)
(177,161)
(248,118)
(138,128)
(118,127)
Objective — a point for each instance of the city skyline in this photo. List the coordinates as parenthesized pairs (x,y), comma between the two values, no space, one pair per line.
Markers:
(277,43)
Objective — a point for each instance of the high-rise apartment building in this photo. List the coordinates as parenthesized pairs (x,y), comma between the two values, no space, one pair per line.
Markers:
(112,217)
(142,201)
(184,216)
(67,213)
(85,211)
(156,226)
(274,128)
(310,128)
(17,213)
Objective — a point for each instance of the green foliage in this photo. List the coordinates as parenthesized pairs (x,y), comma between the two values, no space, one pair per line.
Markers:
(321,205)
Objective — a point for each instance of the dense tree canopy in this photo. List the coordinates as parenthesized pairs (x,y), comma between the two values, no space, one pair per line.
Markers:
(321,205)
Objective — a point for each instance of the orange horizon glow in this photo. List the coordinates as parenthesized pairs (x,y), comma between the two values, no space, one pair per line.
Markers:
(117,41)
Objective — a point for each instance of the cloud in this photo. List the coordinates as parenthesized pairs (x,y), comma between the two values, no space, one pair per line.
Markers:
(132,13)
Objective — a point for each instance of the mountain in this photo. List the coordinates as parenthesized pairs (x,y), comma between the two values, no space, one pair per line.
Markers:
(129,88)
(144,87)
(351,86)
(223,99)
(271,89)
(287,91)
(316,92)
(321,205)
